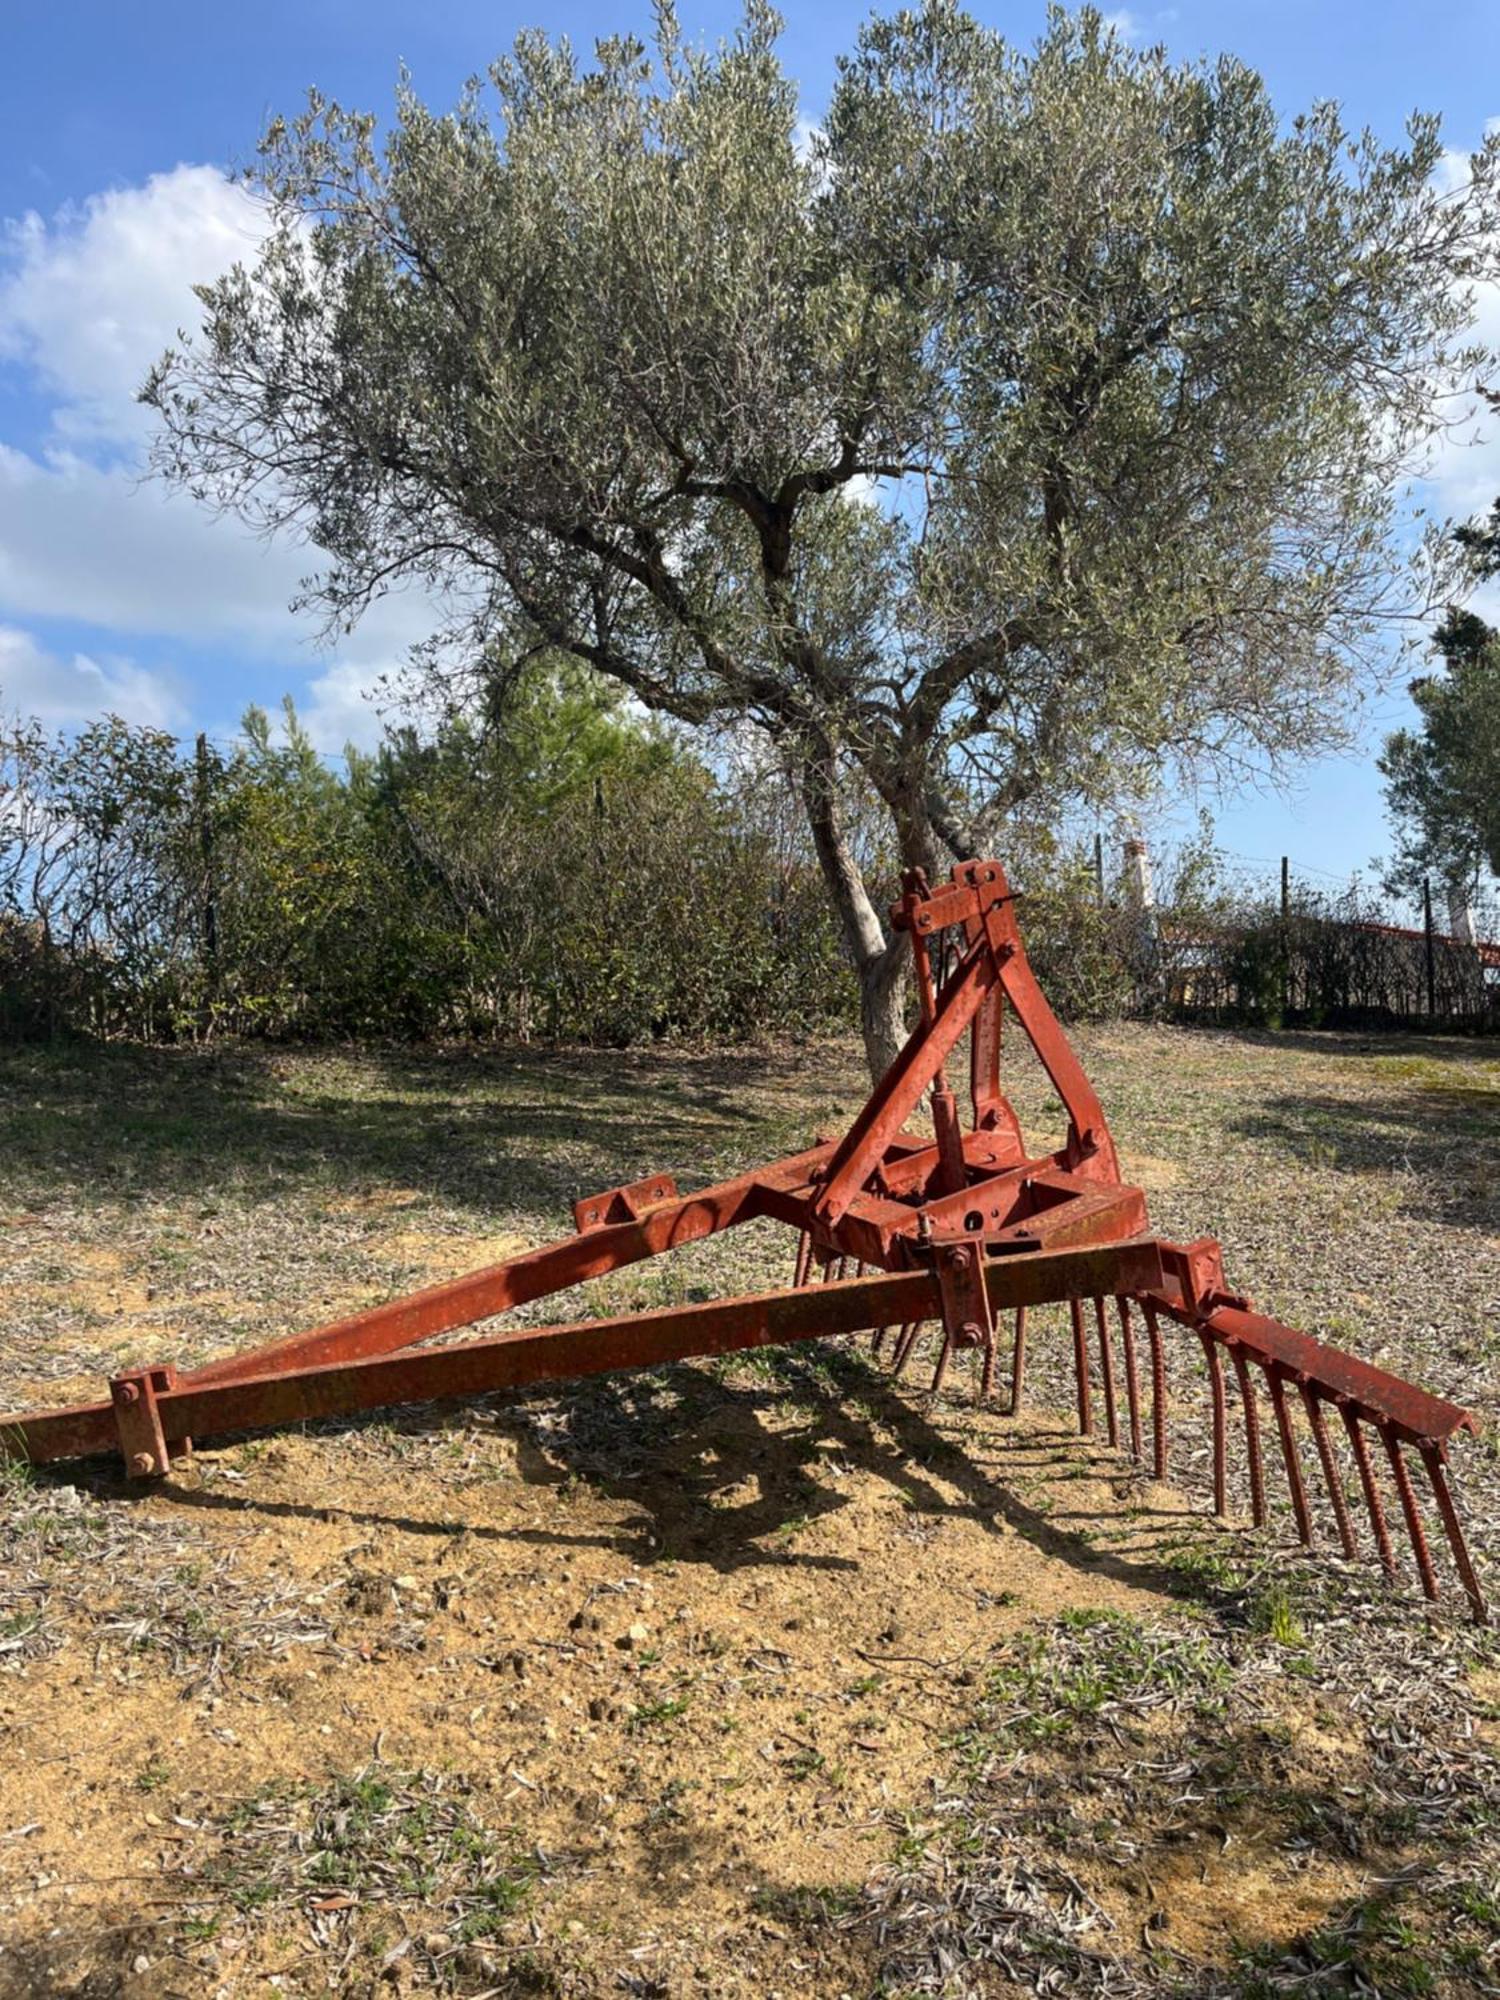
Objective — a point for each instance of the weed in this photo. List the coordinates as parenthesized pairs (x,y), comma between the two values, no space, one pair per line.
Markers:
(652,1714)
(1055,1682)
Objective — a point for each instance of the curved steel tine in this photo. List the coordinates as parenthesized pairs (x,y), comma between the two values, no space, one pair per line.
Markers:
(1406,1493)
(1252,1435)
(877,1340)
(1221,1440)
(1018,1362)
(1374,1506)
(905,1342)
(1081,1367)
(803,1266)
(987,1371)
(1434,1459)
(1158,1393)
(1132,1375)
(941,1369)
(1332,1478)
(1107,1370)
(1289,1454)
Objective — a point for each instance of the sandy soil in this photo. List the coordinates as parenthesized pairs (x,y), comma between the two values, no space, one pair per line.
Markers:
(766,1678)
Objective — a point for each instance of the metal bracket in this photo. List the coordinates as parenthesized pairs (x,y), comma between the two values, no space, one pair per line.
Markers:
(967,1318)
(622,1204)
(143,1447)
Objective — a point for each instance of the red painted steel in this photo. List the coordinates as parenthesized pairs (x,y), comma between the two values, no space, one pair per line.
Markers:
(959,1226)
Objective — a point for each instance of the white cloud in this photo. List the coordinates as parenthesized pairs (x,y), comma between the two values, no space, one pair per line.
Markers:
(1464,476)
(62,692)
(344,706)
(1124,25)
(98,545)
(806,134)
(89,299)
(101,546)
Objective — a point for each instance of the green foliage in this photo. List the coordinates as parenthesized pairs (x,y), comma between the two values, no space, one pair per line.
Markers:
(1443,779)
(1056,1683)
(598,882)
(566,868)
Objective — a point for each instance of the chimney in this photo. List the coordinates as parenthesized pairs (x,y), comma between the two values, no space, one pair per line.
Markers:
(1140,892)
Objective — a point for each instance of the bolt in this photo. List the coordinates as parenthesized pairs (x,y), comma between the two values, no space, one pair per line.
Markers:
(142,1465)
(970,1334)
(130,1392)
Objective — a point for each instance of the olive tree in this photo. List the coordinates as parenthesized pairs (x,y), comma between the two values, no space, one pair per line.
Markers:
(1031,431)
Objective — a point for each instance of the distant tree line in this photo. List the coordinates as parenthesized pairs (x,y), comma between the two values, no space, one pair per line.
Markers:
(570,870)
(575,874)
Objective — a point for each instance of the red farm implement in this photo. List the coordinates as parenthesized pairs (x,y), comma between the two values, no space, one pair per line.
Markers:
(952,1227)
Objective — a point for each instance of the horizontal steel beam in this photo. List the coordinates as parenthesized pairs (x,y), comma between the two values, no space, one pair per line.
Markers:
(278,1395)
(1369,1392)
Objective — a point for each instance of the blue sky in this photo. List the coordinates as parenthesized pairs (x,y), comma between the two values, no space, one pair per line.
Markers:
(119,123)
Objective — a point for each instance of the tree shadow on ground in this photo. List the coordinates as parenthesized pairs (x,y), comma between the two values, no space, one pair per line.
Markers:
(711,1480)
(490,1129)
(1443,1144)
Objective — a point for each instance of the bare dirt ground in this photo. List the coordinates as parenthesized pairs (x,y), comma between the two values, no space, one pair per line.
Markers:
(762,1678)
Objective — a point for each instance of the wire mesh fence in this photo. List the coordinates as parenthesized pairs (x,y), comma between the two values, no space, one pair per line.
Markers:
(1220,937)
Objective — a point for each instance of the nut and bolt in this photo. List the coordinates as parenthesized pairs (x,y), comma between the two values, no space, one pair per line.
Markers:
(142,1465)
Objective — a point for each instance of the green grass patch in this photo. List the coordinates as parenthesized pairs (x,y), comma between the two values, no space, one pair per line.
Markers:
(1057,1682)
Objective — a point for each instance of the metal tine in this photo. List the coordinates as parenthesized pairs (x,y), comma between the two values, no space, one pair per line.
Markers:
(803,1268)
(941,1369)
(1018,1363)
(1158,1394)
(1433,1458)
(1221,1440)
(1132,1375)
(1252,1435)
(987,1370)
(1406,1493)
(1081,1366)
(1289,1453)
(1373,1503)
(1107,1370)
(906,1340)
(1332,1478)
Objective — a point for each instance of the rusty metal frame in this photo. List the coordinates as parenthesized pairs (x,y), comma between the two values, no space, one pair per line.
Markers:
(954,1228)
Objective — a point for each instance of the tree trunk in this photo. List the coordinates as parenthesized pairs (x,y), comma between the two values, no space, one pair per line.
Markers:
(882,1004)
(880,963)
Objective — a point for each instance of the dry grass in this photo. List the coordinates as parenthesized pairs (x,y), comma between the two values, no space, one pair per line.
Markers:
(722,1680)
